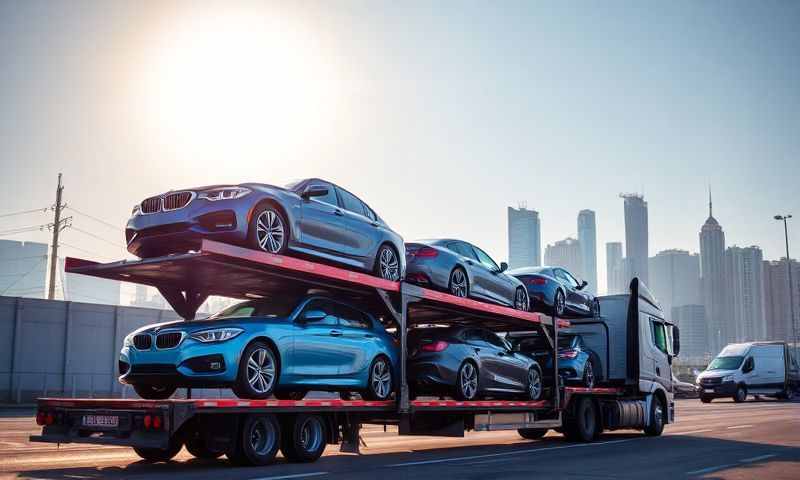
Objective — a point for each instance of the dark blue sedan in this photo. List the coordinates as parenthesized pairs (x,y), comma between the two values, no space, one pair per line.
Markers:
(577,364)
(309,217)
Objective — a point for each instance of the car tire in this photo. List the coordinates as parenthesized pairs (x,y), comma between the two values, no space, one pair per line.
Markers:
(290,394)
(248,385)
(269,230)
(387,263)
(467,381)
(458,284)
(589,379)
(532,433)
(740,395)
(559,303)
(535,386)
(303,438)
(152,392)
(160,454)
(521,300)
(706,399)
(657,412)
(199,449)
(380,381)
(257,442)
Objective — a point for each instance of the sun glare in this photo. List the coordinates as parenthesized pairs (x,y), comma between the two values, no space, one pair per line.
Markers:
(241,81)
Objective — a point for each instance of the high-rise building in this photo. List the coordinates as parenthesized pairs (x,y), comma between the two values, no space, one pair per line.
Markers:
(564,253)
(614,280)
(587,237)
(23,269)
(675,278)
(712,280)
(691,320)
(744,269)
(524,238)
(636,236)
(776,299)
(86,289)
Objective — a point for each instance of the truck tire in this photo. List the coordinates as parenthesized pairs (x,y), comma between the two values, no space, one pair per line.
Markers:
(706,399)
(657,411)
(303,438)
(199,449)
(740,395)
(532,433)
(257,441)
(583,424)
(159,454)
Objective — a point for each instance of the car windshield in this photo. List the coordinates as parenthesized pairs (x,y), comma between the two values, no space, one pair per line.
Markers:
(565,341)
(294,184)
(725,363)
(257,308)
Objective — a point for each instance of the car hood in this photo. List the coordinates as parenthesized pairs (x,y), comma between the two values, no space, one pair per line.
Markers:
(197,325)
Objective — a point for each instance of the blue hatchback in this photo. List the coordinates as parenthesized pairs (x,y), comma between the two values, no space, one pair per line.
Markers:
(264,347)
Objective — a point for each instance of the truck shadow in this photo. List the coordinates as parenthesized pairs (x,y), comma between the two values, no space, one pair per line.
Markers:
(614,454)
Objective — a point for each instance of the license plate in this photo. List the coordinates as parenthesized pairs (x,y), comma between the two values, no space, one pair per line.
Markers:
(103,421)
(709,390)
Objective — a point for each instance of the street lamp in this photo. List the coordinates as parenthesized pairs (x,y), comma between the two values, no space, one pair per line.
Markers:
(784,218)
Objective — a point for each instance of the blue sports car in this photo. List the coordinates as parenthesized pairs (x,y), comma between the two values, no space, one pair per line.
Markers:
(577,364)
(260,348)
(553,290)
(307,217)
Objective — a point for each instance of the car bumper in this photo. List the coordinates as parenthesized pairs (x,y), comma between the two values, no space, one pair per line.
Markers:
(430,376)
(427,274)
(725,389)
(149,235)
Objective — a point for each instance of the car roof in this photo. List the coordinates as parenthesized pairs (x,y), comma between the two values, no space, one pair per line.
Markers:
(529,270)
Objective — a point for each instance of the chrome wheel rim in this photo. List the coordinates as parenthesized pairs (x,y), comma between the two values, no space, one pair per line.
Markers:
(262,437)
(534,384)
(469,381)
(270,231)
(658,416)
(560,303)
(381,379)
(588,375)
(389,266)
(311,435)
(520,300)
(261,370)
(458,283)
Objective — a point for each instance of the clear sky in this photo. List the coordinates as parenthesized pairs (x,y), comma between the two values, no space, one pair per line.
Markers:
(438,114)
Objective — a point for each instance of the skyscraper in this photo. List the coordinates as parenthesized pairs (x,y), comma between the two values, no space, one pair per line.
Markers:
(712,279)
(636,236)
(776,298)
(744,269)
(675,278)
(614,278)
(587,237)
(564,253)
(691,319)
(524,238)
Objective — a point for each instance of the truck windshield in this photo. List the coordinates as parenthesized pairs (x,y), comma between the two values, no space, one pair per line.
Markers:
(725,363)
(256,308)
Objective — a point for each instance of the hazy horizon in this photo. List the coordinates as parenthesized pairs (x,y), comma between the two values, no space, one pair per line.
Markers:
(437,115)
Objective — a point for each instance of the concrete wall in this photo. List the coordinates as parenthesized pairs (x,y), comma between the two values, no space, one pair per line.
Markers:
(56,348)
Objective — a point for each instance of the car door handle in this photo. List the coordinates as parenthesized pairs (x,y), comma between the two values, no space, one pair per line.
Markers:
(338,212)
(335,333)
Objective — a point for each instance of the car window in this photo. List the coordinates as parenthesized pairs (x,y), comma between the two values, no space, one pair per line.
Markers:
(369,213)
(572,280)
(350,202)
(257,308)
(561,275)
(330,198)
(659,335)
(350,317)
(494,340)
(485,259)
(473,335)
(319,305)
(461,249)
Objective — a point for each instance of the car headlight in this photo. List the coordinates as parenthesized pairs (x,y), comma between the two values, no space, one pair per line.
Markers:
(137,210)
(727,378)
(227,193)
(216,334)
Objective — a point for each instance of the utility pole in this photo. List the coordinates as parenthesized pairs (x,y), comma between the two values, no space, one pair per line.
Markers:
(57,226)
(791,283)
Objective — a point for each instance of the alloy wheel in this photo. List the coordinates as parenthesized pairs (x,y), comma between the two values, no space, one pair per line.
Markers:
(468,381)
(560,302)
(270,231)
(261,370)
(534,384)
(381,379)
(520,300)
(388,264)
(588,375)
(458,283)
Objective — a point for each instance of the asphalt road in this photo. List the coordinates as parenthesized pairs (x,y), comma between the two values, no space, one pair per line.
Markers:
(720,440)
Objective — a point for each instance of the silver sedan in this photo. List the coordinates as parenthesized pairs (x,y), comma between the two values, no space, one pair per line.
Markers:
(463,270)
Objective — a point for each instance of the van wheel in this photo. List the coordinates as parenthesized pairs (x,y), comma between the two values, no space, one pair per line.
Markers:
(657,412)
(741,394)
(303,438)
(706,399)
(159,454)
(257,442)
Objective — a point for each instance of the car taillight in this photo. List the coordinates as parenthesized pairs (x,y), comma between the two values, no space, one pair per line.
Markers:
(40,418)
(434,346)
(49,419)
(156,422)
(147,422)
(426,252)
(567,353)
(537,281)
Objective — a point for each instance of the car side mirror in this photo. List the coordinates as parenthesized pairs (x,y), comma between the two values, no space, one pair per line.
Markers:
(314,191)
(314,316)
(503,266)
(583,285)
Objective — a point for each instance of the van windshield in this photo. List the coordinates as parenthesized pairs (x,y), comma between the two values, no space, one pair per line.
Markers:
(725,363)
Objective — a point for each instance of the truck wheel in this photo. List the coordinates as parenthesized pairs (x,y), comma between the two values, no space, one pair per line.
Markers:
(656,424)
(532,433)
(199,449)
(706,399)
(583,425)
(159,454)
(303,438)
(257,442)
(151,392)
(741,394)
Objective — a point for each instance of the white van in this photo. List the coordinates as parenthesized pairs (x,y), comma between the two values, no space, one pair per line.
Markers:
(756,368)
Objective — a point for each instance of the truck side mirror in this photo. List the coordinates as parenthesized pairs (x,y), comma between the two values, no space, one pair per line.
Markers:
(676,341)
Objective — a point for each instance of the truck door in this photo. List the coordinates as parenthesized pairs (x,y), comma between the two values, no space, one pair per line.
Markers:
(655,366)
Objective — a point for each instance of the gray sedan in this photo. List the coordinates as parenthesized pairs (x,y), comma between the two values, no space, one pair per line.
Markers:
(463,270)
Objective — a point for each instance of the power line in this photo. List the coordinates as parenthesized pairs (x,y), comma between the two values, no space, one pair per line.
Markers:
(111,242)
(98,220)
(23,212)
(28,228)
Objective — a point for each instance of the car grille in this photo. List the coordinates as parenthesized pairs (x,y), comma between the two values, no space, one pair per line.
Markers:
(174,201)
(151,205)
(168,340)
(142,341)
(711,381)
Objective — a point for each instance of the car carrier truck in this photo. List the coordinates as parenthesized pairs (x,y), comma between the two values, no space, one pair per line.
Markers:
(632,336)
